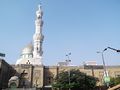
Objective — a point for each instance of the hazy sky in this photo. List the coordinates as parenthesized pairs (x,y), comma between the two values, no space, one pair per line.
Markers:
(81,27)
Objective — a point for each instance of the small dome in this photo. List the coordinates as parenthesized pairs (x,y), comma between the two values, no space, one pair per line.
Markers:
(28,49)
(13,78)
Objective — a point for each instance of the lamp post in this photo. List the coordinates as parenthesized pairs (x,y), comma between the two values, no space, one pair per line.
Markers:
(103,60)
(68,62)
(106,77)
(117,50)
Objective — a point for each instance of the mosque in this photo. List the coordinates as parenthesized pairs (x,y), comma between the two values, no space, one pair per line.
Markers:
(32,53)
(29,70)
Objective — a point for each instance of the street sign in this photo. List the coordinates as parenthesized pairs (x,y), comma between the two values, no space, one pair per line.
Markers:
(2,55)
(107,79)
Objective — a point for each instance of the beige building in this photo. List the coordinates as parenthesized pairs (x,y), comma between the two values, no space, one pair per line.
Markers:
(43,76)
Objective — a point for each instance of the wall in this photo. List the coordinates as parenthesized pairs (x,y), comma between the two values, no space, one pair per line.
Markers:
(6,71)
(42,76)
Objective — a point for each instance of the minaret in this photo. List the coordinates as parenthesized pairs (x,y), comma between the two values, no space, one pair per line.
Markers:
(38,37)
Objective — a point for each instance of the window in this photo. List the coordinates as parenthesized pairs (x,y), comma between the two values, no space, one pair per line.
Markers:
(50,79)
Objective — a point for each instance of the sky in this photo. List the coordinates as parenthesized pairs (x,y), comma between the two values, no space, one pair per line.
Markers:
(79,27)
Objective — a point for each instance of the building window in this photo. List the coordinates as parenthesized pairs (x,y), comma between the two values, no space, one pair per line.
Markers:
(28,62)
(50,79)
(30,56)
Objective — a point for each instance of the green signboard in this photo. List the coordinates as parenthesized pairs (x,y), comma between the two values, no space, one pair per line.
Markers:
(107,79)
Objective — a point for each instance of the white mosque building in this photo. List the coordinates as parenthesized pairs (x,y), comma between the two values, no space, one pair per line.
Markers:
(31,72)
(32,53)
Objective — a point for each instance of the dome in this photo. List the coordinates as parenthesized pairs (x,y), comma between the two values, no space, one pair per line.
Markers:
(13,78)
(28,49)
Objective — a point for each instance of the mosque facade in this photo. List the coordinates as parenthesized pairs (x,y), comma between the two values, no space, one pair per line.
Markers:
(29,70)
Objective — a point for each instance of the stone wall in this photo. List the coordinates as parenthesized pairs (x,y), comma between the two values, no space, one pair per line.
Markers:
(6,71)
(43,76)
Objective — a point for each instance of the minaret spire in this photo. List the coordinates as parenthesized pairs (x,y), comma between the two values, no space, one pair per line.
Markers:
(39,6)
(32,53)
(38,36)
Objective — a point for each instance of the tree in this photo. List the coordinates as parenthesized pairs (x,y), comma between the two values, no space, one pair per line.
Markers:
(114,81)
(77,80)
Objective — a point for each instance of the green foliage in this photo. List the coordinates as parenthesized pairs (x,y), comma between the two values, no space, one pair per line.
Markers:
(77,80)
(114,81)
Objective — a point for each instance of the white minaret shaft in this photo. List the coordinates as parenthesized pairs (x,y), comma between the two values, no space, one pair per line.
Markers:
(38,37)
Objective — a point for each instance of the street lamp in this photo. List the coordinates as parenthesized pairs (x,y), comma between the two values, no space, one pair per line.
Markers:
(104,66)
(68,57)
(106,78)
(117,50)
(68,62)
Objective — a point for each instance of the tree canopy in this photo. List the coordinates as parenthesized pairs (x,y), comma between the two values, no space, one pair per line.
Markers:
(114,81)
(74,79)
